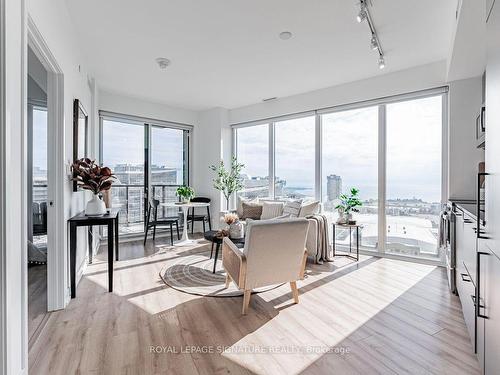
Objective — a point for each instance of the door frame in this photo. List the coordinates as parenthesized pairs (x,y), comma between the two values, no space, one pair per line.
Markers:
(57,259)
(3,245)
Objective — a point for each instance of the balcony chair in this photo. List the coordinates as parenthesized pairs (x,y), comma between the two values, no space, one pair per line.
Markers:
(274,253)
(192,218)
(154,222)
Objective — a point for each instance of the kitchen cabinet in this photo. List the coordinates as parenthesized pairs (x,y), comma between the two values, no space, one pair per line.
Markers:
(488,258)
(465,238)
(490,296)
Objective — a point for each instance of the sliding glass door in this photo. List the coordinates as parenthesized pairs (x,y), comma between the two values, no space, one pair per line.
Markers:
(123,151)
(168,165)
(391,150)
(148,161)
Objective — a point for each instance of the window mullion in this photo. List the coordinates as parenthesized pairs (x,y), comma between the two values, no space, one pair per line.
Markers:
(271,161)
(318,152)
(382,173)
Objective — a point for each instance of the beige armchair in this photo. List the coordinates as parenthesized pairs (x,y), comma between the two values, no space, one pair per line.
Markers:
(274,253)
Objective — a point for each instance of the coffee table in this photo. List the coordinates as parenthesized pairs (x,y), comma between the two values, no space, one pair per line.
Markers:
(211,236)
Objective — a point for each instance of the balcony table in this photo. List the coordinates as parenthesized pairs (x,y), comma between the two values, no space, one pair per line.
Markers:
(185,208)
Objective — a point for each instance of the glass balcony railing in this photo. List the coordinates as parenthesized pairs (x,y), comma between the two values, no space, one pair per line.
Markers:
(130,200)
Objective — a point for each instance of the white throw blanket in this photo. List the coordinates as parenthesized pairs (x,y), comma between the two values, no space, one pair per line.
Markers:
(321,250)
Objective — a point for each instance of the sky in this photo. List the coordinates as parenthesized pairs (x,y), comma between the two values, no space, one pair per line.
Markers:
(40,139)
(350,149)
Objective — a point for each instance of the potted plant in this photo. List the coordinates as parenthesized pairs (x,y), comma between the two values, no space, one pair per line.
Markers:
(90,176)
(348,204)
(185,193)
(228,181)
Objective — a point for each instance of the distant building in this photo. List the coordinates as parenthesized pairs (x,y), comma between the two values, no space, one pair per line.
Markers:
(39,185)
(258,186)
(333,187)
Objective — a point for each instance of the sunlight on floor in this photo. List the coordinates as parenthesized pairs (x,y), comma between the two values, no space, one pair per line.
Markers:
(341,315)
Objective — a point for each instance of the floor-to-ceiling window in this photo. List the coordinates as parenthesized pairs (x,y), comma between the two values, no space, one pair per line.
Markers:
(414,161)
(391,150)
(294,145)
(350,160)
(148,160)
(253,151)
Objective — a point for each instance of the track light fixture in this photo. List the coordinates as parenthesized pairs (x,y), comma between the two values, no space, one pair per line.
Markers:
(381,62)
(364,14)
(374,43)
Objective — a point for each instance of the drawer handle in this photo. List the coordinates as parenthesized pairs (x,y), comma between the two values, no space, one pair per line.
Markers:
(473,297)
(464,275)
(468,221)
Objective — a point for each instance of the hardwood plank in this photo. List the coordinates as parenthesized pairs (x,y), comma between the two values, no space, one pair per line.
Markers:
(376,316)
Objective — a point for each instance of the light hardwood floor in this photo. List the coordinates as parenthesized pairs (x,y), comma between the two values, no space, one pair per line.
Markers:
(378,316)
(37,300)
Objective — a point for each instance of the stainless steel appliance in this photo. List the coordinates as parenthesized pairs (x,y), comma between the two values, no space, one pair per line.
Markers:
(448,220)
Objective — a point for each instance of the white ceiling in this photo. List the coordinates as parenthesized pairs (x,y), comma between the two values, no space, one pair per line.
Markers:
(226,53)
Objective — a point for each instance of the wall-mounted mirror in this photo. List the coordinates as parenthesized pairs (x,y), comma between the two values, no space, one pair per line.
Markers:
(80,133)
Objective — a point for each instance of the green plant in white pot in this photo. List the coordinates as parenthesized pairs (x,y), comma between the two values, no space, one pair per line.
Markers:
(228,181)
(185,193)
(348,203)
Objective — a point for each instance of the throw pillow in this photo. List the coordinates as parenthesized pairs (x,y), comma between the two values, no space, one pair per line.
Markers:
(309,208)
(239,206)
(270,210)
(251,211)
(292,208)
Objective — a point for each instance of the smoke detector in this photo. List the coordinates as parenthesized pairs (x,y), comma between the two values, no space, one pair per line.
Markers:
(163,62)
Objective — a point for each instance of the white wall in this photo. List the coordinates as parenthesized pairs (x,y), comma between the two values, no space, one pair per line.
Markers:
(138,107)
(465,98)
(404,81)
(13,324)
(36,71)
(211,143)
(52,19)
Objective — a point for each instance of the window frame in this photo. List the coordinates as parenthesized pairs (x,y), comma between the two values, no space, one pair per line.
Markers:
(381,103)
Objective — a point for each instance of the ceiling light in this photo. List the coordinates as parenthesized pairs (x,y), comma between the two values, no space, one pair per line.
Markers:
(163,62)
(362,15)
(381,62)
(374,43)
(285,35)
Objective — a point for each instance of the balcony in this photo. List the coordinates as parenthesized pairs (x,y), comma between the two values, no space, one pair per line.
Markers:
(130,200)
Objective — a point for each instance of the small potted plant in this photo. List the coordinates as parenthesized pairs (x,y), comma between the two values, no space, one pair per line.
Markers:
(90,176)
(348,204)
(185,193)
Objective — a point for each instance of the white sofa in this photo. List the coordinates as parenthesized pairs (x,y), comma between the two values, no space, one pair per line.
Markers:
(312,235)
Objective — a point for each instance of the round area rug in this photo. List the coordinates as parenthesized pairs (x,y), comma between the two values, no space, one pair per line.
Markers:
(193,274)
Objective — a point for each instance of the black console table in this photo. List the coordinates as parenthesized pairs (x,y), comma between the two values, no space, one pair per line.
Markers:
(80,220)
